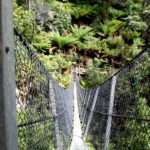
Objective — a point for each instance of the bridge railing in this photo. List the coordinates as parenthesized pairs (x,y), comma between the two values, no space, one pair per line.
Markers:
(85,99)
(44,109)
(64,113)
(117,115)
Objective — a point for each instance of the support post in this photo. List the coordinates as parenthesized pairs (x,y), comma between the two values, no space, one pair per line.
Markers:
(110,111)
(91,113)
(8,127)
(88,99)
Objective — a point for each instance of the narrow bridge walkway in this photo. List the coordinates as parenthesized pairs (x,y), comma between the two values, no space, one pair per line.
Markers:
(77,142)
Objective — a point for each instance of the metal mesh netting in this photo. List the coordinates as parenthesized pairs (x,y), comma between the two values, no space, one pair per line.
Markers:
(119,118)
(44,109)
(131,113)
(64,110)
(85,98)
(98,123)
(34,114)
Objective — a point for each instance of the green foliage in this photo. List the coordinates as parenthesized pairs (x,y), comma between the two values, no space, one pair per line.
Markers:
(83,10)
(60,66)
(61,41)
(91,43)
(96,73)
(57,62)
(107,29)
(134,6)
(115,13)
(58,20)
(81,32)
(111,26)
(146,14)
(115,42)
(63,21)
(28,82)
(135,23)
(41,41)
(34,137)
(115,45)
(76,10)
(140,128)
(25,22)
(130,34)
(140,75)
(85,38)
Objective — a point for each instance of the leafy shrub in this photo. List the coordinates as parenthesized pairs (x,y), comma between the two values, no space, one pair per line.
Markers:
(146,14)
(140,128)
(76,10)
(82,32)
(61,41)
(96,73)
(112,26)
(130,34)
(135,23)
(115,42)
(24,21)
(60,21)
(41,41)
(91,44)
(83,10)
(85,37)
(116,46)
(115,13)
(33,136)
(60,66)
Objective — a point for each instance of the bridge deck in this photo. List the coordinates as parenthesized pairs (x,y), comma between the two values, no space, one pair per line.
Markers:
(77,142)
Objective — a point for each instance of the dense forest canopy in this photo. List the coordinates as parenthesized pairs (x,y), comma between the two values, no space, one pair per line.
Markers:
(98,36)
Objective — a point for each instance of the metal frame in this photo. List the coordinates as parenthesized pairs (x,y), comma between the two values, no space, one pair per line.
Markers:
(8,127)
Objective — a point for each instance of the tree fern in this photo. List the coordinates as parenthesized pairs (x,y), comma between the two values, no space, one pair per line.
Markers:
(111,26)
(61,41)
(81,32)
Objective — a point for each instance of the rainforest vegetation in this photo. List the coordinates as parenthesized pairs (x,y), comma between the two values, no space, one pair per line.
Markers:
(98,36)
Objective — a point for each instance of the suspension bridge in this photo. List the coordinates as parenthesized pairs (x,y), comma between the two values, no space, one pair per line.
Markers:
(52,117)
(112,116)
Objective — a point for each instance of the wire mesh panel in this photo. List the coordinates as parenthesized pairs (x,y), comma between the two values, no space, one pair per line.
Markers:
(98,124)
(34,113)
(131,113)
(64,113)
(44,108)
(121,118)
(85,99)
(87,105)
